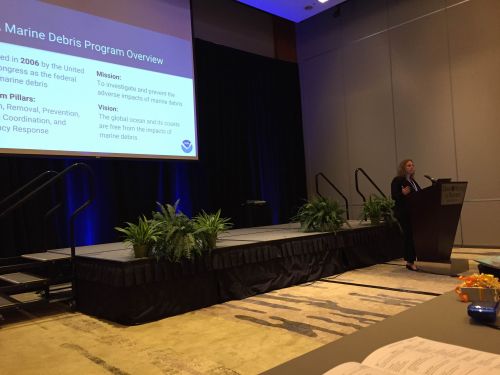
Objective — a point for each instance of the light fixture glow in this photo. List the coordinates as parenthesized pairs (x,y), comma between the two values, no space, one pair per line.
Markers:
(322,1)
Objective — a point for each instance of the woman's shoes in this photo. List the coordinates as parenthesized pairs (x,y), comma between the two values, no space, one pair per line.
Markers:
(411,267)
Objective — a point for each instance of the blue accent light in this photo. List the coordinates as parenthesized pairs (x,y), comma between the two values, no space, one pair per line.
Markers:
(270,193)
(269,183)
(292,10)
(87,224)
(180,187)
(87,221)
(160,196)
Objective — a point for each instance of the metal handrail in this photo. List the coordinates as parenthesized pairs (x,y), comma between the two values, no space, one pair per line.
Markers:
(26,186)
(50,182)
(320,174)
(369,179)
(75,212)
(46,217)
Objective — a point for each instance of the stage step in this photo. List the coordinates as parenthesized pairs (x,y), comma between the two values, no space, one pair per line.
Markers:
(21,278)
(46,257)
(6,302)
(19,282)
(35,279)
(10,268)
(58,293)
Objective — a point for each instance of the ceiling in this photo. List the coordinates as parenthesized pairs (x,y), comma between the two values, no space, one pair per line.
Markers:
(293,10)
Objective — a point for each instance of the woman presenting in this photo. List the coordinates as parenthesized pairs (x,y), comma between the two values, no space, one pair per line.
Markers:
(402,186)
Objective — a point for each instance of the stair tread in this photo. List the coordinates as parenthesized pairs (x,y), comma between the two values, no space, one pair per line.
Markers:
(46,256)
(5,302)
(20,278)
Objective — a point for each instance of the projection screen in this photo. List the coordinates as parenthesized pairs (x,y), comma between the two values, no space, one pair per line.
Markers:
(110,78)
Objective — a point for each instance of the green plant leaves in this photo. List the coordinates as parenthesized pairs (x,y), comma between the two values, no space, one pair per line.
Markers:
(209,226)
(377,208)
(320,215)
(177,238)
(145,232)
(172,235)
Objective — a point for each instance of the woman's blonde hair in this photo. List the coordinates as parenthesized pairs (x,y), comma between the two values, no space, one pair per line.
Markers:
(402,169)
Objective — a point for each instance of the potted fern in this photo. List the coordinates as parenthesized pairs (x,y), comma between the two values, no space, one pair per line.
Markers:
(209,226)
(179,238)
(142,236)
(320,215)
(377,209)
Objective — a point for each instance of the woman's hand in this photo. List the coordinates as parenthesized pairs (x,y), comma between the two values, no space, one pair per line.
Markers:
(406,190)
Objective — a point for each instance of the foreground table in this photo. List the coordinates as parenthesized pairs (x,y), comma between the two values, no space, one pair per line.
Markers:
(443,319)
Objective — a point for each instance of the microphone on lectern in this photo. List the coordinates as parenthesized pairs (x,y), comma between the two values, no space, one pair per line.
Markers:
(433,180)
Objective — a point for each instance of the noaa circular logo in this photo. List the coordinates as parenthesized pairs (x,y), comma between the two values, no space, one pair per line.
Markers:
(186,146)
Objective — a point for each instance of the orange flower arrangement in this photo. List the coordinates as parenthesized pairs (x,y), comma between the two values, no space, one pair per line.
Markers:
(482,280)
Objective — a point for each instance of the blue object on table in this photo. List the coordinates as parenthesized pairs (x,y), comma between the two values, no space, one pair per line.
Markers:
(483,311)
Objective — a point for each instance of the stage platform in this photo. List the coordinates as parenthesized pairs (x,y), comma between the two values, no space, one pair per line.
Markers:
(111,284)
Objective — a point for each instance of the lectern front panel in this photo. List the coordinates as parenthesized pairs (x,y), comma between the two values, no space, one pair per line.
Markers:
(435,212)
(453,193)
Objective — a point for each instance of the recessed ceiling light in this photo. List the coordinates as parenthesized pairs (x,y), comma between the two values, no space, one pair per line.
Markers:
(322,1)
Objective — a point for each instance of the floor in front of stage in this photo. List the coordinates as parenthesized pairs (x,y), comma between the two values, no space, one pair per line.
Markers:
(238,337)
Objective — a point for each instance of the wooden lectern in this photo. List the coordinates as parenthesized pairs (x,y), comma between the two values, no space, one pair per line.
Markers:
(435,212)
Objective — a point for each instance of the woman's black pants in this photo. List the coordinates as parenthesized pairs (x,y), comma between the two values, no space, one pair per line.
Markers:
(409,247)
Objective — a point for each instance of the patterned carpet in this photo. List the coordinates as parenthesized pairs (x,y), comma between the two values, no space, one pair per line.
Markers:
(238,337)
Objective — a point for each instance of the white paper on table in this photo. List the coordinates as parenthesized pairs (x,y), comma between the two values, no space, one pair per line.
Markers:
(422,356)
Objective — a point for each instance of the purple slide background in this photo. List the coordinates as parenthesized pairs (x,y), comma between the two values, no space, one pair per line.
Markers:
(146,14)
(175,52)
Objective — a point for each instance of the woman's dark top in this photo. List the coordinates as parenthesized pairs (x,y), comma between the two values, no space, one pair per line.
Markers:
(400,206)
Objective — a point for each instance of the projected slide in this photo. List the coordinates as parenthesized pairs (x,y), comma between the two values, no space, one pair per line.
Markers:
(74,83)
